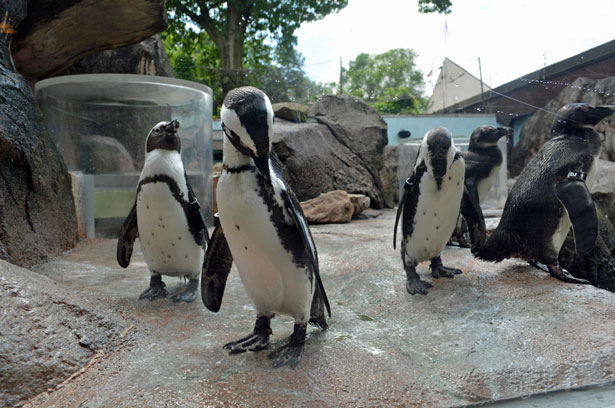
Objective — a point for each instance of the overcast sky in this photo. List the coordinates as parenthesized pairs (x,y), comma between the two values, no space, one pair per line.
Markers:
(511,37)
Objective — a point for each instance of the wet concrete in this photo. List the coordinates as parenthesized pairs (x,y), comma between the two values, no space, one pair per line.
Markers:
(495,332)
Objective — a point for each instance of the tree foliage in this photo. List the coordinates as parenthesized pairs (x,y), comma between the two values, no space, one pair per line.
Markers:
(246,31)
(389,81)
(435,6)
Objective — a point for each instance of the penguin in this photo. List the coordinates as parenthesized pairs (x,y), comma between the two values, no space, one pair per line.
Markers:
(551,195)
(167,217)
(483,160)
(430,205)
(263,231)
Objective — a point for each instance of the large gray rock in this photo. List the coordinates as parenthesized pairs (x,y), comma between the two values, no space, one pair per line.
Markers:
(357,126)
(389,175)
(537,129)
(104,154)
(331,207)
(603,192)
(291,111)
(147,57)
(56,34)
(37,213)
(315,162)
(48,333)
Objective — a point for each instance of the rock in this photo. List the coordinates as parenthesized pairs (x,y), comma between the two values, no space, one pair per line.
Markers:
(54,35)
(291,111)
(48,333)
(147,57)
(537,129)
(332,207)
(389,176)
(314,162)
(360,203)
(36,205)
(104,154)
(603,192)
(357,126)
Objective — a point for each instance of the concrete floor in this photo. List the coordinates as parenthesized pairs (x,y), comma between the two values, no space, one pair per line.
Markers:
(496,332)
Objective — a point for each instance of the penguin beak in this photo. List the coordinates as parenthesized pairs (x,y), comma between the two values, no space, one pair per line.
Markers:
(172,126)
(603,111)
(505,132)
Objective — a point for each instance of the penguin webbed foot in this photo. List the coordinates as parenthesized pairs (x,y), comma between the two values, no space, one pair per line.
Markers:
(440,271)
(563,275)
(189,294)
(156,289)
(290,354)
(255,341)
(414,284)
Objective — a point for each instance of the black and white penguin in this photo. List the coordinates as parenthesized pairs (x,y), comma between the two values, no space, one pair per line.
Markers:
(430,206)
(167,218)
(551,195)
(483,160)
(264,232)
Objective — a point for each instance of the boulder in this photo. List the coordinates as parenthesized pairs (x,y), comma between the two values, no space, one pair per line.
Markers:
(147,57)
(48,333)
(37,212)
(291,111)
(357,126)
(359,202)
(331,207)
(536,130)
(314,162)
(389,176)
(56,34)
(603,191)
(104,154)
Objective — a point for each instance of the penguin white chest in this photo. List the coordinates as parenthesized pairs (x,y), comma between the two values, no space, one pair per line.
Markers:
(168,246)
(436,214)
(484,185)
(272,280)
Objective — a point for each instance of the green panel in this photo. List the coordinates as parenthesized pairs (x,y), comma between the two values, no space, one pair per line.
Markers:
(113,204)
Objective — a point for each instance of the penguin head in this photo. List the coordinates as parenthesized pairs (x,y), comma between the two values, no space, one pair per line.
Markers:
(247,122)
(164,136)
(438,152)
(572,118)
(488,136)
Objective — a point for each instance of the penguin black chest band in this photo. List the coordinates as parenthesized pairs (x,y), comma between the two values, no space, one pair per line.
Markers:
(239,169)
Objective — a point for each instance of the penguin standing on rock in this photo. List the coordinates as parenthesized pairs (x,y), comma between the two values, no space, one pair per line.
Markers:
(430,206)
(167,218)
(551,195)
(263,230)
(483,160)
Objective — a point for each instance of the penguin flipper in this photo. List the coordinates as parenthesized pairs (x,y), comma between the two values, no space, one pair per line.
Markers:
(472,187)
(293,208)
(216,268)
(195,210)
(471,211)
(127,236)
(409,186)
(575,197)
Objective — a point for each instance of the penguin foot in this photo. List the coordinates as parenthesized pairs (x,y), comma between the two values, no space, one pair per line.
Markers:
(563,275)
(414,286)
(539,265)
(290,354)
(464,242)
(156,289)
(440,271)
(255,341)
(189,294)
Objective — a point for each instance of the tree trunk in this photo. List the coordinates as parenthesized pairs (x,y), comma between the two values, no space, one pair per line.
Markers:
(231,51)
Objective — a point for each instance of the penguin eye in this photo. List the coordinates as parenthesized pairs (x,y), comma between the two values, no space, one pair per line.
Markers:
(157,130)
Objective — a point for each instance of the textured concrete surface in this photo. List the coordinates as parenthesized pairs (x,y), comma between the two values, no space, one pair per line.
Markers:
(495,332)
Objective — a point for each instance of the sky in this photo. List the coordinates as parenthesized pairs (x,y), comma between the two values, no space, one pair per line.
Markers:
(511,37)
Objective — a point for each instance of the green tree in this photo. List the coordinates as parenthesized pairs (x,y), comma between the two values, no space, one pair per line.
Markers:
(235,26)
(390,82)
